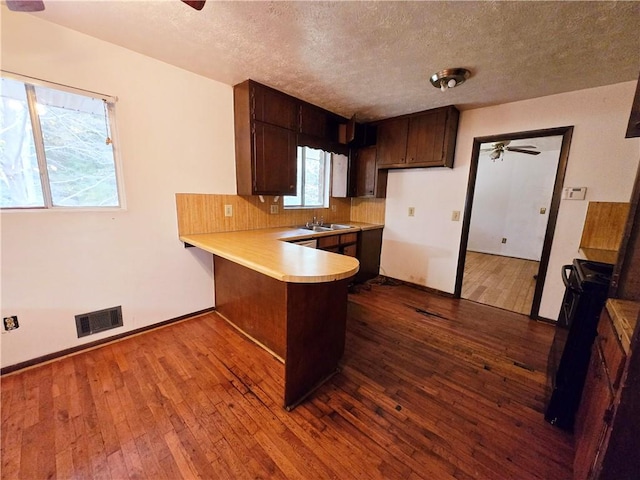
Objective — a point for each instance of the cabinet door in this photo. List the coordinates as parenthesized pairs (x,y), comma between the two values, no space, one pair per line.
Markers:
(274,160)
(331,242)
(350,250)
(425,140)
(392,141)
(592,418)
(369,248)
(313,121)
(366,172)
(273,107)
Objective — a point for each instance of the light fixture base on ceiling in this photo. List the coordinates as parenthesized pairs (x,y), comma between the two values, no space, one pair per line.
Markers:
(449,78)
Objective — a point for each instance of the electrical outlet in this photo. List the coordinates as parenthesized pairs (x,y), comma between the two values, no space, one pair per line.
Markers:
(333,208)
(274,209)
(455,216)
(504,240)
(228,210)
(412,211)
(10,323)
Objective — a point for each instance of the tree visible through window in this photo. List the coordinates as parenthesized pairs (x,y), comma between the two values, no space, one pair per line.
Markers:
(55,149)
(313,180)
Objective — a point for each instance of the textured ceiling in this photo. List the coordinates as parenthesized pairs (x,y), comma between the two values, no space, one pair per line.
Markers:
(374,59)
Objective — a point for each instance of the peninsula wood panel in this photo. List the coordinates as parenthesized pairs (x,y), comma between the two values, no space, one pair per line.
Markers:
(303,324)
(316,326)
(253,302)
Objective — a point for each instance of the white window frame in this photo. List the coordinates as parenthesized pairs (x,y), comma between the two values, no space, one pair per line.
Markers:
(326,187)
(110,102)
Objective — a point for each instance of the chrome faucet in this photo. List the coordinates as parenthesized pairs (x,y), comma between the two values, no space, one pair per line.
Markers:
(314,222)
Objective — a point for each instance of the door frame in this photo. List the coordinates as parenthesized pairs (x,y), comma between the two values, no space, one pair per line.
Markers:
(566,133)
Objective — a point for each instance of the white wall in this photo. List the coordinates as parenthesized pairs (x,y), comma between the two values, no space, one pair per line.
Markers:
(424,249)
(175,134)
(508,196)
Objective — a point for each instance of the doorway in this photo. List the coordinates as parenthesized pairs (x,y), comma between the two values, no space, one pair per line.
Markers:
(513,197)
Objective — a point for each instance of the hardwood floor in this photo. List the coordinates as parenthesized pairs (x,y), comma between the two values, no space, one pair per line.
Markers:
(503,282)
(431,388)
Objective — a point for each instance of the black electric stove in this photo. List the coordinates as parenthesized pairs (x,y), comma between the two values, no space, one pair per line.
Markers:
(586,283)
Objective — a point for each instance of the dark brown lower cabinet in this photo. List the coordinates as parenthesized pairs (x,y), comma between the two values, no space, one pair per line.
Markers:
(365,245)
(593,416)
(344,244)
(606,419)
(369,249)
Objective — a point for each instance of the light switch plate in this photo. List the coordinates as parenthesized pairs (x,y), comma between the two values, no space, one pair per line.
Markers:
(274,209)
(412,211)
(228,210)
(455,216)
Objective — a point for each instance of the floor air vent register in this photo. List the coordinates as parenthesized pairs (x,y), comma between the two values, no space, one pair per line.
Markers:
(99,321)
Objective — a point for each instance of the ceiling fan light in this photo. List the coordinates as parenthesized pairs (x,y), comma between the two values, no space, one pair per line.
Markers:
(443,85)
(452,83)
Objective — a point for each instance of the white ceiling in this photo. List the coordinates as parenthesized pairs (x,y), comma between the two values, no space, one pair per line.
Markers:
(374,59)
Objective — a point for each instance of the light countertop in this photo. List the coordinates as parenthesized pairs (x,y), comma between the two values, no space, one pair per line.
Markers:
(267,251)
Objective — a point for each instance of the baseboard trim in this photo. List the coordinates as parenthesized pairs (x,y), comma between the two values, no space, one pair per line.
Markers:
(98,343)
(390,280)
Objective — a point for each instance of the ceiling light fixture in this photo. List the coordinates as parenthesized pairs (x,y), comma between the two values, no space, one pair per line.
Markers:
(449,78)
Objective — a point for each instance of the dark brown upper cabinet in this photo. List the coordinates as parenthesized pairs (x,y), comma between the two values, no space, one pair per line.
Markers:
(392,141)
(265,136)
(274,172)
(269,125)
(273,107)
(423,139)
(369,181)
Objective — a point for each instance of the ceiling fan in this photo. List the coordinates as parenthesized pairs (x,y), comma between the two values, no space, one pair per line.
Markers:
(497,149)
(38,5)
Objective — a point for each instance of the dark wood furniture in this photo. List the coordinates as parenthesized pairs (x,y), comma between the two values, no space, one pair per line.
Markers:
(423,139)
(365,245)
(369,249)
(369,181)
(265,136)
(596,408)
(269,125)
(344,244)
(302,324)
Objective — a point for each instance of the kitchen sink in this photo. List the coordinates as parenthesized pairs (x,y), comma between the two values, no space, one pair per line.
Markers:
(326,228)
(316,228)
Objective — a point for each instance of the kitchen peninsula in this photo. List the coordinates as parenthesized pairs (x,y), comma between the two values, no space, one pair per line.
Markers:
(289,299)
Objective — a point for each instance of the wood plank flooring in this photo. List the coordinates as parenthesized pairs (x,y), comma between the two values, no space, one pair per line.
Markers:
(503,282)
(431,388)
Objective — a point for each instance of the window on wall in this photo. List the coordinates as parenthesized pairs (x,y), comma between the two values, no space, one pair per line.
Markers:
(313,180)
(55,148)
